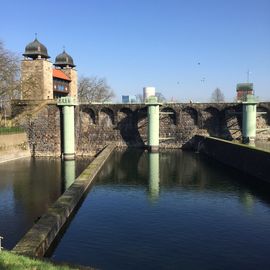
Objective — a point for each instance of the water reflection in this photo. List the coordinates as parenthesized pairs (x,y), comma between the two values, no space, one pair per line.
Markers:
(202,210)
(153,175)
(27,188)
(69,173)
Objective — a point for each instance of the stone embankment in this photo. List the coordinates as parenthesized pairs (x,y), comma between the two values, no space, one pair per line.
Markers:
(13,146)
(247,159)
(39,238)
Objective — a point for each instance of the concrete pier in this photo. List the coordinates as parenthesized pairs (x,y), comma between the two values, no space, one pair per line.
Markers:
(68,104)
(249,120)
(153,124)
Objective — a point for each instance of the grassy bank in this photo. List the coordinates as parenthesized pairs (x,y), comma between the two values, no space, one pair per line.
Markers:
(11,261)
(11,130)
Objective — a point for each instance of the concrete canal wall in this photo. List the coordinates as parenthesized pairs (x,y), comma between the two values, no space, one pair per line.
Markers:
(39,238)
(13,146)
(248,159)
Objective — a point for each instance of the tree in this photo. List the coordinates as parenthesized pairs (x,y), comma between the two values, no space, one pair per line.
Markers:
(217,96)
(93,89)
(160,97)
(9,79)
(139,98)
(9,74)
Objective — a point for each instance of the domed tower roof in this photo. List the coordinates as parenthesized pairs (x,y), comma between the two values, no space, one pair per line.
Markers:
(64,60)
(36,49)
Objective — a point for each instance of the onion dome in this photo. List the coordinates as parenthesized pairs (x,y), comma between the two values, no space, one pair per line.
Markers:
(36,50)
(64,60)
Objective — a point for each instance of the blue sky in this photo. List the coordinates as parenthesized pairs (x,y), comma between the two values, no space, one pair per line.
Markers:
(152,42)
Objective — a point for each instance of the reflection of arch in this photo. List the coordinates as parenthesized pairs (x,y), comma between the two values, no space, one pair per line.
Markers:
(211,121)
(91,115)
(170,117)
(189,116)
(106,117)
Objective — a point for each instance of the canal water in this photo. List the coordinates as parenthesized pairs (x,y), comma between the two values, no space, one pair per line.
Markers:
(172,210)
(28,187)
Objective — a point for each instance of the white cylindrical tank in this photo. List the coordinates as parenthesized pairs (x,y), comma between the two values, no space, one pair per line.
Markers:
(148,92)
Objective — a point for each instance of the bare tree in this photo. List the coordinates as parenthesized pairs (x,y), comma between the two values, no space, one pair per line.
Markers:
(9,79)
(93,89)
(9,74)
(217,96)
(139,98)
(160,97)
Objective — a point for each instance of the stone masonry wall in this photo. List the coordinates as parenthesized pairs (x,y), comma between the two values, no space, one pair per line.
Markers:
(126,124)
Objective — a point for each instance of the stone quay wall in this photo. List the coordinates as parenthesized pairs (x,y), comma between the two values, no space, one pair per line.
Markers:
(126,125)
(247,159)
(13,146)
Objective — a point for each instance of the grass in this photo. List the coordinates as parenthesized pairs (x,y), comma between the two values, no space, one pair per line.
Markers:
(11,261)
(10,130)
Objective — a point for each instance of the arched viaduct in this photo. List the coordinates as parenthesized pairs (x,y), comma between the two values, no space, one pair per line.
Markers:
(126,125)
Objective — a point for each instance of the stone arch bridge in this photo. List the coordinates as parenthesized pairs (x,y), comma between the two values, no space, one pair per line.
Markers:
(126,124)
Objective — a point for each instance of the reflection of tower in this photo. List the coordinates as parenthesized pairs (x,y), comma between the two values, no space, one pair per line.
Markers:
(69,173)
(247,200)
(153,175)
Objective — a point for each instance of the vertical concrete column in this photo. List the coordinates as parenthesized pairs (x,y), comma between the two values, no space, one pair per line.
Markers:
(153,167)
(153,124)
(68,104)
(249,119)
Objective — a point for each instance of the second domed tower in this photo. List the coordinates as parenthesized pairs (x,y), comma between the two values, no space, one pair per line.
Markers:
(63,60)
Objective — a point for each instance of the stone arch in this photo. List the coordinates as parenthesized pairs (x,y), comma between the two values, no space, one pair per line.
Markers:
(263,122)
(87,119)
(167,125)
(170,117)
(189,117)
(141,122)
(126,126)
(123,113)
(92,115)
(231,124)
(106,117)
(211,121)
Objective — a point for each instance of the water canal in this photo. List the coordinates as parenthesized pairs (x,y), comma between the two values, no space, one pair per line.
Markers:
(28,187)
(172,210)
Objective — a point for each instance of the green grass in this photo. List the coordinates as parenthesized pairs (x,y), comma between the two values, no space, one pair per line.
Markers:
(11,261)
(11,130)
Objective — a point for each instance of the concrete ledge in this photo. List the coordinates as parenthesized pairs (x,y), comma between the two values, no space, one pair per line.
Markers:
(245,158)
(39,238)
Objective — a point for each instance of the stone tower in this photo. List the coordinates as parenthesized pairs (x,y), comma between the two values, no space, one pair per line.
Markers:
(36,73)
(65,62)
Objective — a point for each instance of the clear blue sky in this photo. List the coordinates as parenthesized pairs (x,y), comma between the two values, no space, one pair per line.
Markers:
(136,43)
